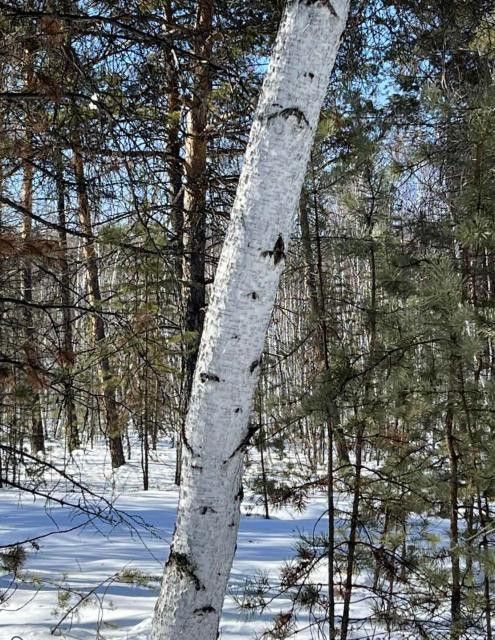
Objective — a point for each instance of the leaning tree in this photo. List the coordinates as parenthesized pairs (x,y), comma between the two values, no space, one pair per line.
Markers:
(217,428)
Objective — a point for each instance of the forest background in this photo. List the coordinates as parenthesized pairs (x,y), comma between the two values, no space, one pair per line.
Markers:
(123,127)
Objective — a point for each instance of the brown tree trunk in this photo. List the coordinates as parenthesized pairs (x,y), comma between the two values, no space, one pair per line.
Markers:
(360,440)
(194,204)
(174,147)
(486,558)
(351,549)
(112,431)
(36,435)
(67,355)
(455,598)
(315,283)
(333,431)
(175,171)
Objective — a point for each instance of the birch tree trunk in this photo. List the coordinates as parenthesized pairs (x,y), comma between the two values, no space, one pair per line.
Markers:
(217,426)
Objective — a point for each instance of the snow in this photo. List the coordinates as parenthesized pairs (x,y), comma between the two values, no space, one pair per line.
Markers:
(91,556)
(111,557)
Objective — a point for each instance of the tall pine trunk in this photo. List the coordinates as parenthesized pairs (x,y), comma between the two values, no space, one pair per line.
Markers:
(194,202)
(174,148)
(36,433)
(455,556)
(175,171)
(315,283)
(112,431)
(67,355)
(217,427)
(368,392)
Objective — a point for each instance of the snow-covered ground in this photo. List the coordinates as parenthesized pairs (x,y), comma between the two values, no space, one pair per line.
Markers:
(115,566)
(93,572)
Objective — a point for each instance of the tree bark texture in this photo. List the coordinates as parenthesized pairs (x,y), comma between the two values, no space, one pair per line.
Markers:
(217,426)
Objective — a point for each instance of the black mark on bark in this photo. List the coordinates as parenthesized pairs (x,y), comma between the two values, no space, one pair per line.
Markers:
(290,111)
(204,510)
(209,376)
(325,3)
(252,429)
(186,441)
(204,610)
(184,567)
(278,251)
(253,366)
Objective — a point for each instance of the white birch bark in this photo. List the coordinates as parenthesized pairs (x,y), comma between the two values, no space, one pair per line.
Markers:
(217,426)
